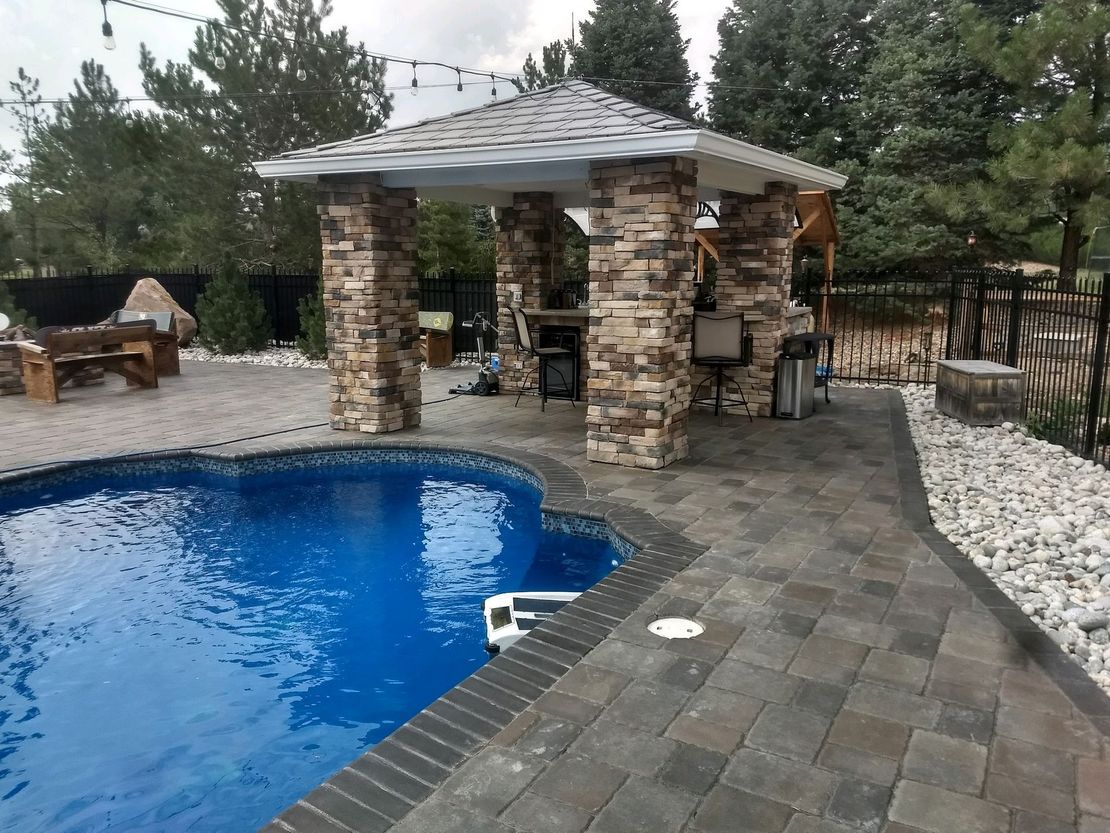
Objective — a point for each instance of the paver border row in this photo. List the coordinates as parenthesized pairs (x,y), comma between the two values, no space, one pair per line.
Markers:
(1083,692)
(379,788)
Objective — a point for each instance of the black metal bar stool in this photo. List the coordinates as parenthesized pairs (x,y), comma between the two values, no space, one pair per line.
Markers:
(526,344)
(721,343)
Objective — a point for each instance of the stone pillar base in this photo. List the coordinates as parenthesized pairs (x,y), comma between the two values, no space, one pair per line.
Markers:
(371,302)
(641,294)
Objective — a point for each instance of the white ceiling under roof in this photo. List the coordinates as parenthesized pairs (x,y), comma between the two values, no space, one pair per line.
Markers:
(544,141)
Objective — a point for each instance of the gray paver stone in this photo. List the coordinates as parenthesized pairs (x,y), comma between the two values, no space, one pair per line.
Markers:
(945,762)
(803,787)
(942,811)
(644,806)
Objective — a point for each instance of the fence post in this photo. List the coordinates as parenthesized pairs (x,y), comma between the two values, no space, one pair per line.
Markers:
(980,309)
(1017,299)
(1098,369)
(953,297)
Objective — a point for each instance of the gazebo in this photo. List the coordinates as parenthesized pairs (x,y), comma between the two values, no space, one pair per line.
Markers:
(640,172)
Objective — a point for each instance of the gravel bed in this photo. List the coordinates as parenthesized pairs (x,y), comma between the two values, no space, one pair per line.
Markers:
(273,357)
(1031,515)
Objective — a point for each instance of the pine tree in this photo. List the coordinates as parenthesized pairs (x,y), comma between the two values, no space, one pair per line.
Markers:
(231,318)
(93,170)
(15,315)
(555,67)
(445,236)
(1050,165)
(925,110)
(312,340)
(634,49)
(23,190)
(277,221)
(787,75)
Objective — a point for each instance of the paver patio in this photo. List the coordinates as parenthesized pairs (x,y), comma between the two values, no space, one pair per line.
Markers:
(848,679)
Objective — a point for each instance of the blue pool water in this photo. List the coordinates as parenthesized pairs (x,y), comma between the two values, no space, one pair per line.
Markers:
(185,652)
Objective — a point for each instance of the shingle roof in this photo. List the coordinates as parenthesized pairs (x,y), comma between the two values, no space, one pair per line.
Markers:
(564,112)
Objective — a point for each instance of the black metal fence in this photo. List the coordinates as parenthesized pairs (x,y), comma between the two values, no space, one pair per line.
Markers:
(90,295)
(892,327)
(464,295)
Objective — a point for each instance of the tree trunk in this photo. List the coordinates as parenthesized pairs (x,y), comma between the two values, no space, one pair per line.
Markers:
(1069,253)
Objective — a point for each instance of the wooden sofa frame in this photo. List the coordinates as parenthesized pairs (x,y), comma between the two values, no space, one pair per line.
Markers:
(57,353)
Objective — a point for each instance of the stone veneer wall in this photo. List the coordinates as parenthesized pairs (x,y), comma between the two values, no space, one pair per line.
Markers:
(641,295)
(371,301)
(529,261)
(11,369)
(756,249)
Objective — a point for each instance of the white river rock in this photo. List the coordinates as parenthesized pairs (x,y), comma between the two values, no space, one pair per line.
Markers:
(1031,515)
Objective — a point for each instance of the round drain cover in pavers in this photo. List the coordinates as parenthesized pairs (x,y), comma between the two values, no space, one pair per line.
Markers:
(675,627)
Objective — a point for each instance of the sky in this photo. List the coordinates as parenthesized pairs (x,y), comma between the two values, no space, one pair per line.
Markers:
(50,38)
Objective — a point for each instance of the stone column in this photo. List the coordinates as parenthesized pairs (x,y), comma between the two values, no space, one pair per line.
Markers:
(756,249)
(641,297)
(371,300)
(529,261)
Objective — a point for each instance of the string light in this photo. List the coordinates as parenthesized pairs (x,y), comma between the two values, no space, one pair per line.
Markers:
(220,62)
(415,83)
(493,91)
(302,75)
(459,85)
(106,28)
(298,43)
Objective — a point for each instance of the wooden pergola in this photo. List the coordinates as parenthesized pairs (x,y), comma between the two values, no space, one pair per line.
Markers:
(816,227)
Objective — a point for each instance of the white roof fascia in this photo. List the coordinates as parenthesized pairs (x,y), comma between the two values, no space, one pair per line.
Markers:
(715,146)
(694,143)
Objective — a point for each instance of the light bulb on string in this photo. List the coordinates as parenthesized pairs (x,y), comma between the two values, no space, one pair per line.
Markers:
(414,87)
(493,91)
(459,85)
(220,62)
(106,29)
(302,75)
(129,117)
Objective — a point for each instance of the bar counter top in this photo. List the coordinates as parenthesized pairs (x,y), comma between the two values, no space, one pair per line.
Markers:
(575,312)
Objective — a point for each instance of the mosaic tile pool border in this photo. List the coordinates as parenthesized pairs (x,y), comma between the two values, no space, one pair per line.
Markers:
(385,783)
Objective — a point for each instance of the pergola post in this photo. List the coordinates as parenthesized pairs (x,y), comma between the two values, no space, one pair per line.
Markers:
(641,294)
(756,249)
(371,303)
(529,264)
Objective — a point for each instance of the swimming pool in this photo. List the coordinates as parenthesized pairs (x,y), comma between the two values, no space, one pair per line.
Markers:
(188,651)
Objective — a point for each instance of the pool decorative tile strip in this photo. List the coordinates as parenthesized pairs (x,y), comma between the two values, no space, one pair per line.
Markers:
(379,788)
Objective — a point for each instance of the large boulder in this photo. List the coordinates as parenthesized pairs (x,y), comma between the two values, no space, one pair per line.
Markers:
(150,296)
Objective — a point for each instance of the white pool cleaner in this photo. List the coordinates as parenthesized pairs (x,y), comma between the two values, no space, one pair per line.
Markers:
(509,616)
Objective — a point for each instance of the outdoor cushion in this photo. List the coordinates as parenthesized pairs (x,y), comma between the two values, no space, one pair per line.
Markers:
(163,321)
(442,321)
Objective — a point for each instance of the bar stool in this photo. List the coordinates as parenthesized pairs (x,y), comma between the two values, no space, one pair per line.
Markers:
(721,343)
(525,344)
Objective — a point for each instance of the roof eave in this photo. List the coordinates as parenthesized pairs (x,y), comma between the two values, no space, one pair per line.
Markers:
(806,175)
(694,143)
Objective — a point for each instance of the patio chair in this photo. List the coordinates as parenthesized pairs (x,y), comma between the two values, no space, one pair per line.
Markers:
(721,343)
(526,344)
(165,337)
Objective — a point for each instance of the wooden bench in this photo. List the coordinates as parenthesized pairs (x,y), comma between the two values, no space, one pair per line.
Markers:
(436,345)
(57,353)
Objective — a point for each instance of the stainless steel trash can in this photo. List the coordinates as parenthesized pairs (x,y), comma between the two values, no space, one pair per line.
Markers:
(796,376)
